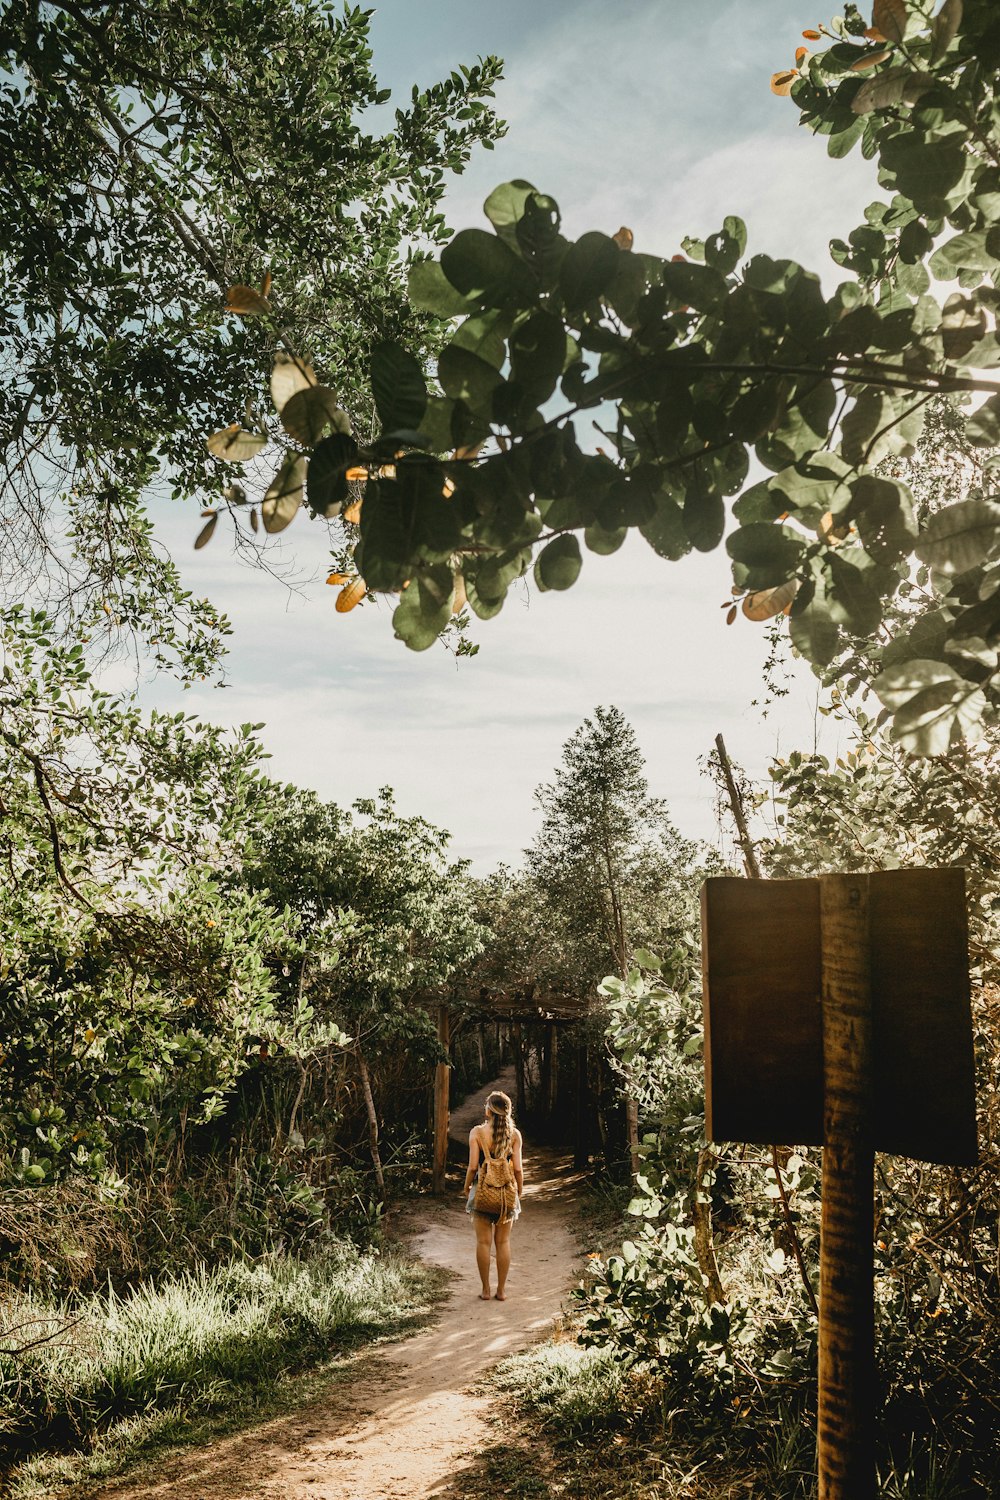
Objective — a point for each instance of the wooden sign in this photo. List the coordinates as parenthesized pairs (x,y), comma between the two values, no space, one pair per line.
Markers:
(763,970)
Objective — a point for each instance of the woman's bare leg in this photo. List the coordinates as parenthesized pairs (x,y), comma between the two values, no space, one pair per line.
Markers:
(484,1235)
(502,1241)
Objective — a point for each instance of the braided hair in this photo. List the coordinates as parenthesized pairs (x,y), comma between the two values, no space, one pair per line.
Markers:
(500,1111)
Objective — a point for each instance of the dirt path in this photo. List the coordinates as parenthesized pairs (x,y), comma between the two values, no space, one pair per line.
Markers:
(400,1426)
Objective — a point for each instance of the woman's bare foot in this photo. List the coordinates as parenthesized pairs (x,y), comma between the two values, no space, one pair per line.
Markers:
(484,1296)
(501,1297)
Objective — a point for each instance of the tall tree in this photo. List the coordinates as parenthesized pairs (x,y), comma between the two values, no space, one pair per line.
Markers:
(612,872)
(401,917)
(152,155)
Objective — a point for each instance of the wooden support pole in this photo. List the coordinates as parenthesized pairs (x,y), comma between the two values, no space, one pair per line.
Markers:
(553,1056)
(846,1424)
(442,1079)
(581,1155)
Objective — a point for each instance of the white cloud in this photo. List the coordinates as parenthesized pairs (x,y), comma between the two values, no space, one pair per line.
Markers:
(653,114)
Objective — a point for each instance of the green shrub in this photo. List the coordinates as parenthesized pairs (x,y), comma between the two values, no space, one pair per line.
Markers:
(190,1341)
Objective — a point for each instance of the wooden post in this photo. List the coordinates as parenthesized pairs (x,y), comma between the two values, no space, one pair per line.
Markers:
(442,1077)
(846,1424)
(553,1055)
(581,1155)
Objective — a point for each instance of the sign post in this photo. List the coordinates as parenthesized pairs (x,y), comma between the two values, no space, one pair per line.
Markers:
(846,1416)
(837,1013)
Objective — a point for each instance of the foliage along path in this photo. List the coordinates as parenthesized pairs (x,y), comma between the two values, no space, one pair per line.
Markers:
(403,1423)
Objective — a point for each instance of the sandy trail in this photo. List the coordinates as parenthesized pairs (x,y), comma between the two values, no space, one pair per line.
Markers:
(404,1423)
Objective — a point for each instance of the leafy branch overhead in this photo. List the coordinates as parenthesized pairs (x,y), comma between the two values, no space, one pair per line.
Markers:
(711,362)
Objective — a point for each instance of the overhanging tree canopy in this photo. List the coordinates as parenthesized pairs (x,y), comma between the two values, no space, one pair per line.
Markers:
(151,155)
(706,362)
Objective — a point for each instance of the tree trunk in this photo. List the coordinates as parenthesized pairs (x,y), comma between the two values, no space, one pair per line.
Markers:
(518,1046)
(736,803)
(366,1089)
(701,1213)
(846,1418)
(442,1079)
(632,1124)
(481,1050)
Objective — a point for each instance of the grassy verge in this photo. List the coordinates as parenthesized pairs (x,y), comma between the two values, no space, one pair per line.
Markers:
(132,1374)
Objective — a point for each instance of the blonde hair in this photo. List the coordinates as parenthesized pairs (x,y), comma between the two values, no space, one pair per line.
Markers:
(501,1112)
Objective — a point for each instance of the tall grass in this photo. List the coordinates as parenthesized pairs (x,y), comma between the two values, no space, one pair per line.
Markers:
(192,1341)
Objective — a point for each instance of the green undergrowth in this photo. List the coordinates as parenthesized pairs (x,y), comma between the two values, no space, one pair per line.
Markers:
(128,1375)
(589,1428)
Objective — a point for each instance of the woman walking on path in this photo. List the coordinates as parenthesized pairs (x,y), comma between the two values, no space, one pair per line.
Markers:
(495,1138)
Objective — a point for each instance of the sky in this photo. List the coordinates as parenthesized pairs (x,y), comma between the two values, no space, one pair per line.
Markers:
(655,114)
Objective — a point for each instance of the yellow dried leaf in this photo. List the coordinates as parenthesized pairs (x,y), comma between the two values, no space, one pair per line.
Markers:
(247,301)
(764,604)
(353,511)
(889,17)
(461,599)
(473,450)
(781,83)
(624,239)
(289,375)
(265,290)
(448,488)
(869,60)
(284,494)
(356,476)
(234,445)
(351,595)
(812,36)
(731,614)
(338,578)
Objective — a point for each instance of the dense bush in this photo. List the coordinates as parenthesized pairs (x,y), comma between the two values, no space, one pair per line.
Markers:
(188,1341)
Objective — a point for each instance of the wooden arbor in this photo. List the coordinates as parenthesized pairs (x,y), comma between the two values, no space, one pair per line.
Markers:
(514,1008)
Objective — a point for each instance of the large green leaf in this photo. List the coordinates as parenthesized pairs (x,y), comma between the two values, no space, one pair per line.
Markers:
(960,536)
(311,412)
(284,494)
(853,598)
(383,555)
(326,480)
(983,427)
(764,556)
(700,287)
(588,269)
(704,513)
(505,208)
(883,511)
(975,250)
(466,377)
(424,608)
(815,633)
(558,565)
(482,267)
(665,532)
(431,291)
(397,387)
(933,706)
(485,334)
